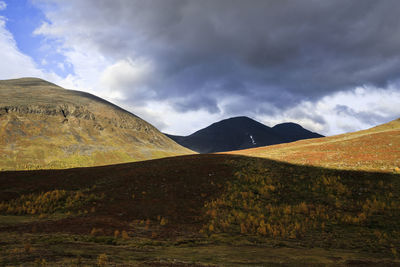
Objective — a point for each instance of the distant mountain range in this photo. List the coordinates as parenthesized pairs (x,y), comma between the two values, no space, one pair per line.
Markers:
(241,133)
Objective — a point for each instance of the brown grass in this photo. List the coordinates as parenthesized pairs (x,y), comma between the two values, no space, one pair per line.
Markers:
(259,207)
(43,126)
(375,149)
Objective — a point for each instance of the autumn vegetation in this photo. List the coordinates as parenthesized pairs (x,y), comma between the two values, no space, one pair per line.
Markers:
(50,202)
(284,203)
(375,149)
(199,211)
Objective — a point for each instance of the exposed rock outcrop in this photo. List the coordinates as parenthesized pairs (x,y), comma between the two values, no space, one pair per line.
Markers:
(45,126)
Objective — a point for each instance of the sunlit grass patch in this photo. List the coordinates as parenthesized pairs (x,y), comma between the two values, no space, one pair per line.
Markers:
(50,202)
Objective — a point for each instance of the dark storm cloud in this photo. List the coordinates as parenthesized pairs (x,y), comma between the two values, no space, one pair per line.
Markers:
(278,52)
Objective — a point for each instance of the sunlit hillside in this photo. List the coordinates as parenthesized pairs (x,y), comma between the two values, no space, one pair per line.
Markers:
(43,126)
(375,149)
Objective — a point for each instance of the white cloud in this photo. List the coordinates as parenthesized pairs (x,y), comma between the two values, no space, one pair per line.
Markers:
(14,64)
(61,66)
(108,45)
(361,108)
(163,116)
(3,5)
(128,76)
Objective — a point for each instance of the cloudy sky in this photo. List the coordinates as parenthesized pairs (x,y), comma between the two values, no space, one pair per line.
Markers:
(332,66)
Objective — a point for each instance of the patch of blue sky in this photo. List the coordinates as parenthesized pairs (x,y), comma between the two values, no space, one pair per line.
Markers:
(22,19)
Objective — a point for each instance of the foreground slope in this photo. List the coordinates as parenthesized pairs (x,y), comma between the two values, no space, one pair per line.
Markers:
(200,210)
(375,149)
(240,133)
(45,126)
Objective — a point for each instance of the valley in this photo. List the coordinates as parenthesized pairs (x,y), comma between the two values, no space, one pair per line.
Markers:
(189,133)
(200,210)
(85,183)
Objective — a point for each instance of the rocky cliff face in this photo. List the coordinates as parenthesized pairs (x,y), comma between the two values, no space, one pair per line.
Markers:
(45,126)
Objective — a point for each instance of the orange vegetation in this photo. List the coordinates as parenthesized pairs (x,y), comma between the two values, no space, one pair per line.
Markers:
(375,149)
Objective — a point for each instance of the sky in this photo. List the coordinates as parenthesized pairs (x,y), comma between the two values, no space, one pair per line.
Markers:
(331,66)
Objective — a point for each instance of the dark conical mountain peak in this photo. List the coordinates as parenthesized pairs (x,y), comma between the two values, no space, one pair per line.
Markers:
(287,125)
(236,121)
(241,124)
(294,131)
(240,133)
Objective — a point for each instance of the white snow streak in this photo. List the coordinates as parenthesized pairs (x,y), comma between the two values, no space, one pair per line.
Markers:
(252,140)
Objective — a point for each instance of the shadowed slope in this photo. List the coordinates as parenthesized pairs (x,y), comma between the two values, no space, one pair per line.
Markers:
(240,133)
(45,126)
(376,149)
(258,207)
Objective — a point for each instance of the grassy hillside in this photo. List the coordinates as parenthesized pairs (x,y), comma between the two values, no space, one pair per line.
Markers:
(200,210)
(43,126)
(375,149)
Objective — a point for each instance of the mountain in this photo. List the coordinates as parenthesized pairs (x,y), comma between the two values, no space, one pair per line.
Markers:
(294,132)
(375,149)
(240,133)
(45,126)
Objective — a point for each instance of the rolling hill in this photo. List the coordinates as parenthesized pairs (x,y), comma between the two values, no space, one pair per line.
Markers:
(199,210)
(375,149)
(44,126)
(241,133)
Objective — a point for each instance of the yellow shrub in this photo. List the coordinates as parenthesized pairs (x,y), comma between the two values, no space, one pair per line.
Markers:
(116,234)
(124,235)
(102,260)
(163,221)
(47,202)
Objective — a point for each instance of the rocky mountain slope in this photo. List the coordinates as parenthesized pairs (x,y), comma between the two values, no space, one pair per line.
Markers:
(241,133)
(45,126)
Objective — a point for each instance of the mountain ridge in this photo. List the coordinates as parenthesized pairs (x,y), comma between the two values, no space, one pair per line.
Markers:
(241,132)
(43,125)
